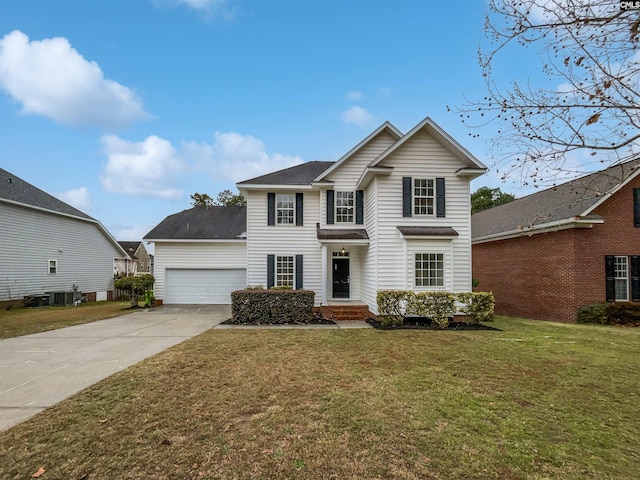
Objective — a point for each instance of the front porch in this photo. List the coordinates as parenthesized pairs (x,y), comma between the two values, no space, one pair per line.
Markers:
(342,310)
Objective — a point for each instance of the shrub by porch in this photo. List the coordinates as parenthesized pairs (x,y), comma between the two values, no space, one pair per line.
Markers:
(273,306)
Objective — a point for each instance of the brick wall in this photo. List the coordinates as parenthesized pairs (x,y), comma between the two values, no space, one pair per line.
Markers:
(548,276)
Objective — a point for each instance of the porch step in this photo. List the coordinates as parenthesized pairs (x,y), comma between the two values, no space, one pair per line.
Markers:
(346,312)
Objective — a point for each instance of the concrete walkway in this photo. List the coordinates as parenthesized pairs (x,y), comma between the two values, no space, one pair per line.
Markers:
(40,370)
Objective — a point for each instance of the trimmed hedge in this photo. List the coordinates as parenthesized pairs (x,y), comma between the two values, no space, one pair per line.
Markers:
(395,305)
(274,306)
(618,313)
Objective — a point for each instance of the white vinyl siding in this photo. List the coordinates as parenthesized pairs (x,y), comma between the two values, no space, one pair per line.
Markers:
(422,157)
(29,239)
(621,278)
(282,240)
(196,255)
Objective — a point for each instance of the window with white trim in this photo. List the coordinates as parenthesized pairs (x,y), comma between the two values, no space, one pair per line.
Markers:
(284,271)
(429,270)
(53,267)
(621,276)
(345,202)
(285,206)
(423,196)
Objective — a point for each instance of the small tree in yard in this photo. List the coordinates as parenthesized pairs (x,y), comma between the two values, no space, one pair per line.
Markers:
(135,286)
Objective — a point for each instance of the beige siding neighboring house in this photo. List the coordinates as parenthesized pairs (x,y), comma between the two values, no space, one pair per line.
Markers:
(392,213)
(137,262)
(48,247)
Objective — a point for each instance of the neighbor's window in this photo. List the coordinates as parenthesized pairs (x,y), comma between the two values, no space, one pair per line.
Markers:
(344,207)
(423,196)
(429,271)
(285,204)
(621,276)
(53,266)
(284,272)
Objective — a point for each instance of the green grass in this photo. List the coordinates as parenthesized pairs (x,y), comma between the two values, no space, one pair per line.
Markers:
(25,321)
(538,400)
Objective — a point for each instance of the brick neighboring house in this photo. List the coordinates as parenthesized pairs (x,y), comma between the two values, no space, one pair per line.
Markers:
(547,254)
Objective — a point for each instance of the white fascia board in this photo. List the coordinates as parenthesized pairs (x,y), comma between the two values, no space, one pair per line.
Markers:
(351,241)
(258,186)
(101,227)
(430,237)
(565,224)
(393,131)
(197,240)
(471,173)
(612,192)
(369,173)
(427,122)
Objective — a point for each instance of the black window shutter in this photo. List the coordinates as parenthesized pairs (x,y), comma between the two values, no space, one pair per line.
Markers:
(299,208)
(359,207)
(609,275)
(271,208)
(298,272)
(636,207)
(635,278)
(440,198)
(330,207)
(271,270)
(406,196)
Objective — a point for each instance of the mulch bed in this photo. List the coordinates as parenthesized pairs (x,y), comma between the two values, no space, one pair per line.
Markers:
(317,320)
(425,324)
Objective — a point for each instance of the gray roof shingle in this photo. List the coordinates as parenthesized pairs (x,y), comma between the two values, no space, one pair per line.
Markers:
(341,234)
(15,189)
(302,174)
(202,223)
(568,200)
(417,230)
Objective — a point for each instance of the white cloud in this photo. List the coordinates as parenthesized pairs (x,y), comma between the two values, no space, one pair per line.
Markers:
(384,91)
(235,157)
(358,116)
(145,169)
(50,78)
(209,7)
(126,232)
(77,197)
(354,95)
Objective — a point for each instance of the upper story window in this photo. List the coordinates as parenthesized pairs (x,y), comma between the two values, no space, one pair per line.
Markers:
(285,207)
(423,196)
(429,270)
(284,271)
(344,207)
(53,266)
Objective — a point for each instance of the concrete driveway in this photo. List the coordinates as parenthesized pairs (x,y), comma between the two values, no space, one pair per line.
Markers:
(38,371)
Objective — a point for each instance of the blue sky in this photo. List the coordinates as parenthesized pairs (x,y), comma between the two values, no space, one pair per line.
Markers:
(124,108)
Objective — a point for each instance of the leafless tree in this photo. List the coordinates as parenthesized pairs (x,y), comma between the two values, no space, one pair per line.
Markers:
(587,116)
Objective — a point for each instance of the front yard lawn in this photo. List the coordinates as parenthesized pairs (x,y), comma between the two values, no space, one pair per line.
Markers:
(25,321)
(536,400)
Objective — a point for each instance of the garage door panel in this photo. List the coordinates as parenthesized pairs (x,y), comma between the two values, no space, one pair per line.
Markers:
(203,286)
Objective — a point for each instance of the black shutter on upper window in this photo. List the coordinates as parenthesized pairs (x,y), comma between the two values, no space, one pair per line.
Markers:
(271,208)
(635,278)
(610,278)
(299,208)
(636,207)
(330,206)
(271,270)
(359,207)
(406,196)
(298,272)
(440,198)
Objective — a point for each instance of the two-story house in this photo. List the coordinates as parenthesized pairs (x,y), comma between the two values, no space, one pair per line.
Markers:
(392,213)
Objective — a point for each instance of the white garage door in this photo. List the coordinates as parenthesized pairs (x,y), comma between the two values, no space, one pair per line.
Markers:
(199,286)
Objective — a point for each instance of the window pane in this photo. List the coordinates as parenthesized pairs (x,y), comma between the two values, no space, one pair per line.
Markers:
(429,269)
(423,196)
(621,275)
(284,271)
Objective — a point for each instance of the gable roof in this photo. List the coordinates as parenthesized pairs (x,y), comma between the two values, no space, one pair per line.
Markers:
(302,174)
(202,223)
(130,247)
(442,137)
(385,127)
(568,204)
(15,190)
